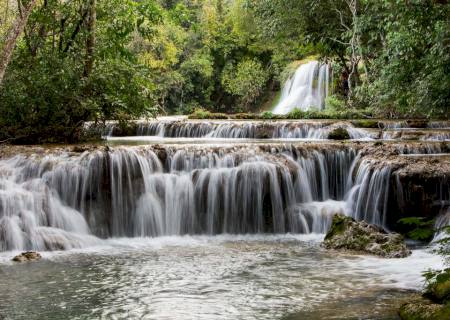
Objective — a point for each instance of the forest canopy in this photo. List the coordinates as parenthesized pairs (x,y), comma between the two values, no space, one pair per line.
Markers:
(96,60)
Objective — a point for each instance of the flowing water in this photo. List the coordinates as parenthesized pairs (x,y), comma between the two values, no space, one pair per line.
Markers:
(64,201)
(307,88)
(211,220)
(222,277)
(295,130)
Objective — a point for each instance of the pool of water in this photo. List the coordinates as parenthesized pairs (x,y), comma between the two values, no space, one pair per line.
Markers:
(223,277)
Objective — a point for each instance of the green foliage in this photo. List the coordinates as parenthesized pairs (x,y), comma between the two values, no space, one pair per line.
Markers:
(49,93)
(419,228)
(408,59)
(394,52)
(334,104)
(437,282)
(175,56)
(246,81)
(296,114)
(267,115)
(367,124)
(200,113)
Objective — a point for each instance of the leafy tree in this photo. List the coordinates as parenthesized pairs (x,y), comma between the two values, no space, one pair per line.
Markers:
(247,81)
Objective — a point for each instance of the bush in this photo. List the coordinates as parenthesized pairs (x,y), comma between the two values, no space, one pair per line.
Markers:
(334,103)
(201,113)
(296,114)
(267,115)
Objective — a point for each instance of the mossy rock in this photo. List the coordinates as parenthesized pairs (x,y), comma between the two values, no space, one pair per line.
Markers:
(360,237)
(339,134)
(338,226)
(244,116)
(218,116)
(368,124)
(439,289)
(422,310)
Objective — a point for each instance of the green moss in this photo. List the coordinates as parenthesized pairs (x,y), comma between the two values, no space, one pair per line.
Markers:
(424,311)
(438,288)
(244,116)
(201,114)
(339,134)
(366,123)
(338,225)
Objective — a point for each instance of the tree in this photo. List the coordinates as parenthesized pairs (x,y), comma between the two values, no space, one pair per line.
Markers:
(11,39)
(246,81)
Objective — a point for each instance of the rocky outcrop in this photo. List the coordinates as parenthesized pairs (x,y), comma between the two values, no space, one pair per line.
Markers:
(360,237)
(339,133)
(434,304)
(27,256)
(422,309)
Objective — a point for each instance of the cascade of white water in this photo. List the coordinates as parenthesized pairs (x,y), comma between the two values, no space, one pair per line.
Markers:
(368,195)
(441,224)
(248,130)
(63,201)
(307,88)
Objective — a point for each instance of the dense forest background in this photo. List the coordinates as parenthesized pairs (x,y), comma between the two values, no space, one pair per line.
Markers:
(81,60)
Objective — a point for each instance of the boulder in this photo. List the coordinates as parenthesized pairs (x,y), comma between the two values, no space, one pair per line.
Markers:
(360,237)
(339,133)
(27,256)
(438,290)
(424,310)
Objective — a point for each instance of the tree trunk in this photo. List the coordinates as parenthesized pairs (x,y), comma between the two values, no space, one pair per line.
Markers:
(11,39)
(354,59)
(90,42)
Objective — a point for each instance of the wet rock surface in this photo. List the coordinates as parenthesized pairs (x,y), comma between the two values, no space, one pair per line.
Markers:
(360,237)
(27,257)
(422,309)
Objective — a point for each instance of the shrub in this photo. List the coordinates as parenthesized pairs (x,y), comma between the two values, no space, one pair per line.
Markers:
(267,115)
(333,103)
(200,113)
(296,114)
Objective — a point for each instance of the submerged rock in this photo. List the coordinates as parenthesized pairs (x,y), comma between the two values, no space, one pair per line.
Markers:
(339,134)
(347,234)
(27,256)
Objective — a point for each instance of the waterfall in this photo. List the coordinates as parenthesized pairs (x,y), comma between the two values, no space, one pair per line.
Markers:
(307,88)
(64,201)
(258,129)
(245,129)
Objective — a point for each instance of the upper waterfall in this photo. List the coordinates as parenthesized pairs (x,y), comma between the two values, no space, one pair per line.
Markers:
(307,88)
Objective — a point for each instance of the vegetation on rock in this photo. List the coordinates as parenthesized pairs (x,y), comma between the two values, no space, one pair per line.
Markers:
(360,237)
(339,134)
(435,304)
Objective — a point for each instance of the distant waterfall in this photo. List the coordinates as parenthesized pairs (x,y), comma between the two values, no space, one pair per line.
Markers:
(307,88)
